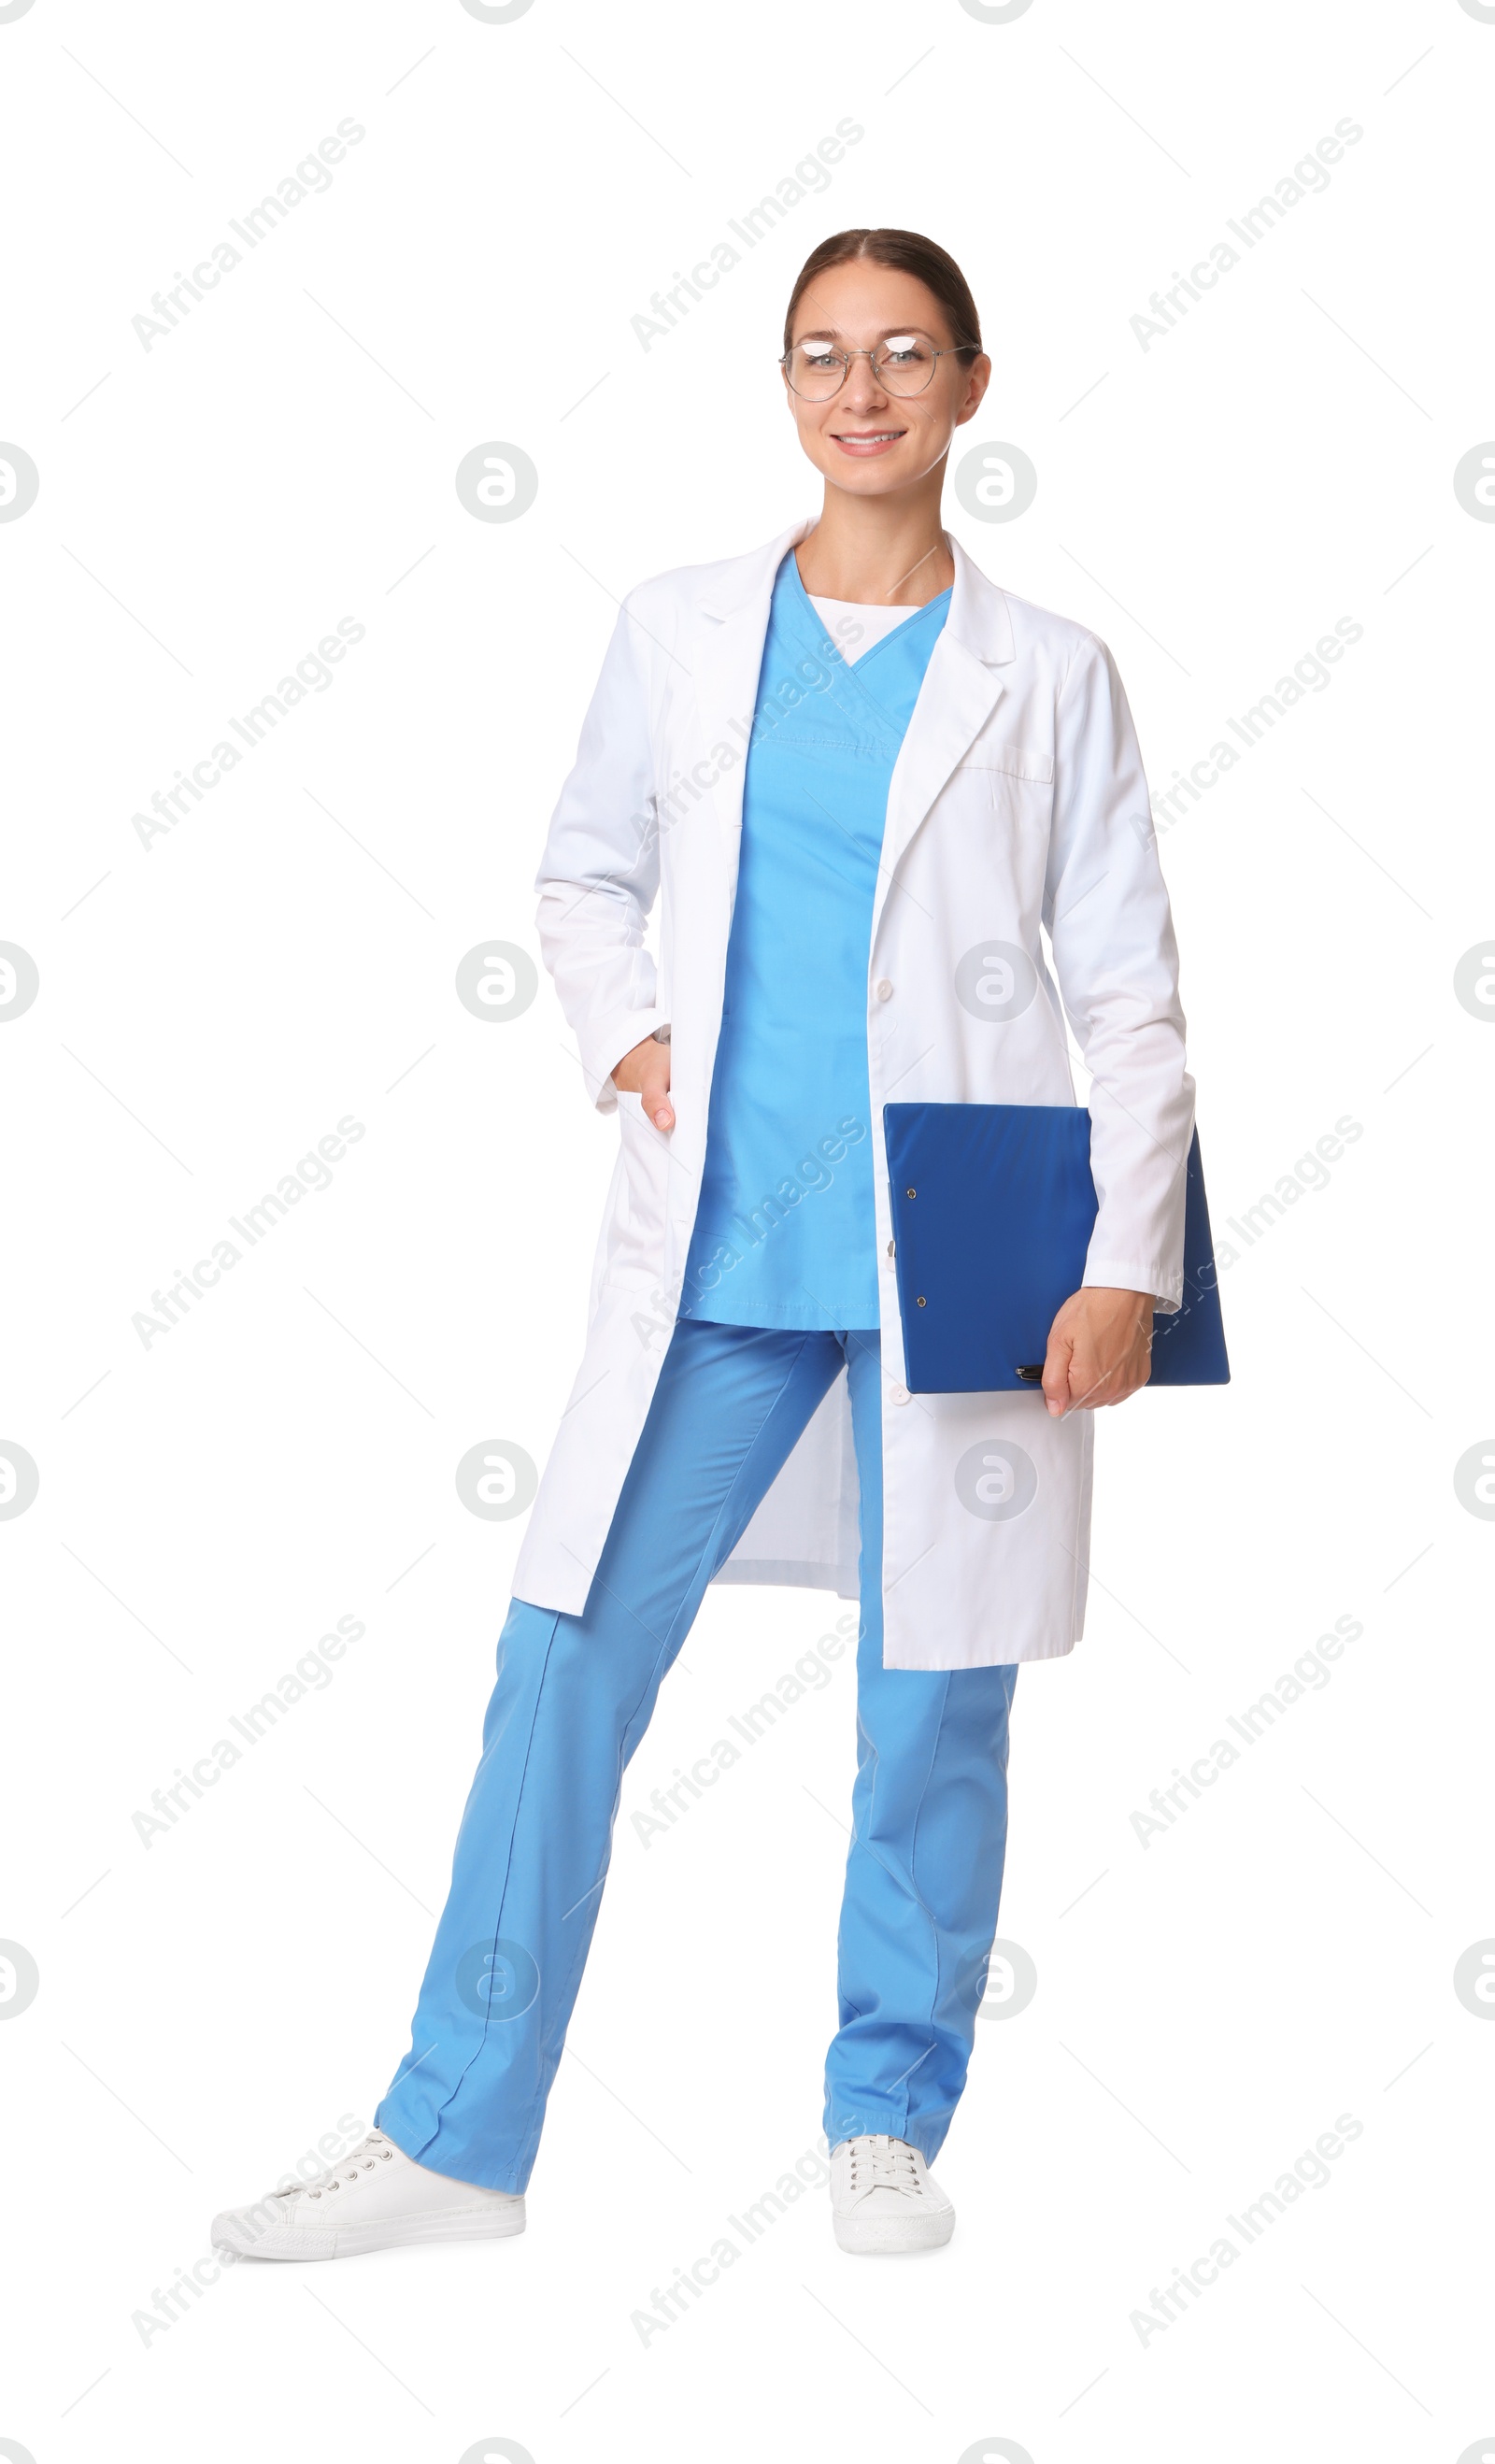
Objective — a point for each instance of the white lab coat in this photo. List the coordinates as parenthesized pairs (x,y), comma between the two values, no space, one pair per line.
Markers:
(1018,801)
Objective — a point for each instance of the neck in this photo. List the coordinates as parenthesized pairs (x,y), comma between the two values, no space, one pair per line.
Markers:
(888,551)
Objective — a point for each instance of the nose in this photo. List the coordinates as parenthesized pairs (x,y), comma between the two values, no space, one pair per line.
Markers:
(862,390)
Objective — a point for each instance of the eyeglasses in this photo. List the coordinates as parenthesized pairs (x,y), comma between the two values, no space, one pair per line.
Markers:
(903,365)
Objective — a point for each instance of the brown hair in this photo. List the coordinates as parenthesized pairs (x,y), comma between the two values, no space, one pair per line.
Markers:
(906,253)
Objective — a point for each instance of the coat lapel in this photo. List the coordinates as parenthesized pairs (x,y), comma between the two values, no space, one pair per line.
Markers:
(732,625)
(961,689)
(962,685)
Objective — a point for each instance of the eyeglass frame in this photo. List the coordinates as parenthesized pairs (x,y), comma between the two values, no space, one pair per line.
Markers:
(948,351)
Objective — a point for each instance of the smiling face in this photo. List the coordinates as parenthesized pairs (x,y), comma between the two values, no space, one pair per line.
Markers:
(868,440)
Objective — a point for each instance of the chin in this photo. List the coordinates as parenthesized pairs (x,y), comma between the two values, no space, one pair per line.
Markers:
(867,478)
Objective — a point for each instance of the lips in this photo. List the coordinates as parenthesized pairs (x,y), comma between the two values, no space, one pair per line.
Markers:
(866,442)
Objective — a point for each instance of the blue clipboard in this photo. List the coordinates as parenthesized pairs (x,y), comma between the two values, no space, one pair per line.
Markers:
(993,1208)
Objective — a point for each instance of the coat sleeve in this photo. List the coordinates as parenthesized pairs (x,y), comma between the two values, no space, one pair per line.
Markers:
(600,874)
(1105,908)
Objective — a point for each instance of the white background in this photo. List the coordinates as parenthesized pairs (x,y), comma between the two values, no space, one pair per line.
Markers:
(210,2004)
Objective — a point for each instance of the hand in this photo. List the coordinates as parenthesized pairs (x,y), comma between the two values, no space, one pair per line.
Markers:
(1100,1349)
(645,1071)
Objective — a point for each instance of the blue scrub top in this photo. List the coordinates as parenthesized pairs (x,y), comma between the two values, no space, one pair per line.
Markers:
(785,1232)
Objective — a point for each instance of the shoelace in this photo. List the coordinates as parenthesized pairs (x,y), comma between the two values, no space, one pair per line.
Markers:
(375,2150)
(883,2164)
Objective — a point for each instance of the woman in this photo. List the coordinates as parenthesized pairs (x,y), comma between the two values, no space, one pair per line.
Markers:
(858,777)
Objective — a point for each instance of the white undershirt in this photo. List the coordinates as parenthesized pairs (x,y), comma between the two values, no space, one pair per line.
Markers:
(854,629)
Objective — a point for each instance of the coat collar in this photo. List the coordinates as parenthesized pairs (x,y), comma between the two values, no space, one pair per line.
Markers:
(962,687)
(745,579)
(978,614)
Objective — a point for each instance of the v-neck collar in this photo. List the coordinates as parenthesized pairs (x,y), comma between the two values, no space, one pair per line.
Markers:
(846,675)
(808,611)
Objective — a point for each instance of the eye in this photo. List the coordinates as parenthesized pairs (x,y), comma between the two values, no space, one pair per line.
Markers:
(905,348)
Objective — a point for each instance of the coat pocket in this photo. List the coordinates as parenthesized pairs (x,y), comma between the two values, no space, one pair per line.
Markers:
(638,1243)
(1012,761)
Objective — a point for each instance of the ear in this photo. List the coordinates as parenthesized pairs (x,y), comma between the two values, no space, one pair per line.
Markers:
(979,377)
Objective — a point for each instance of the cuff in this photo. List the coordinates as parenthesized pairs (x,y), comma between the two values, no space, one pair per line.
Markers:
(1132,1275)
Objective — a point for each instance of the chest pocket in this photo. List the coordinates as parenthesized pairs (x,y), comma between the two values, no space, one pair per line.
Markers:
(1012,762)
(1013,785)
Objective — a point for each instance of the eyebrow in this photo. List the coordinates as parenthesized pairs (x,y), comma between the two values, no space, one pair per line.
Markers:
(833,334)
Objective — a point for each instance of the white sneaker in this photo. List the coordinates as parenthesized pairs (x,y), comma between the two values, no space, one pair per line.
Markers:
(884,2200)
(376,2198)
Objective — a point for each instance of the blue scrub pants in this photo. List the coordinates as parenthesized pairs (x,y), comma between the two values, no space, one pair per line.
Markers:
(574,1696)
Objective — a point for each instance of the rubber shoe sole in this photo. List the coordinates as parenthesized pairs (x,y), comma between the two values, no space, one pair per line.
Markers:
(231,2232)
(893,2236)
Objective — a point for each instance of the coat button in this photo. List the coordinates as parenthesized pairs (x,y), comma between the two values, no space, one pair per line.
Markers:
(897,1394)
(883,989)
